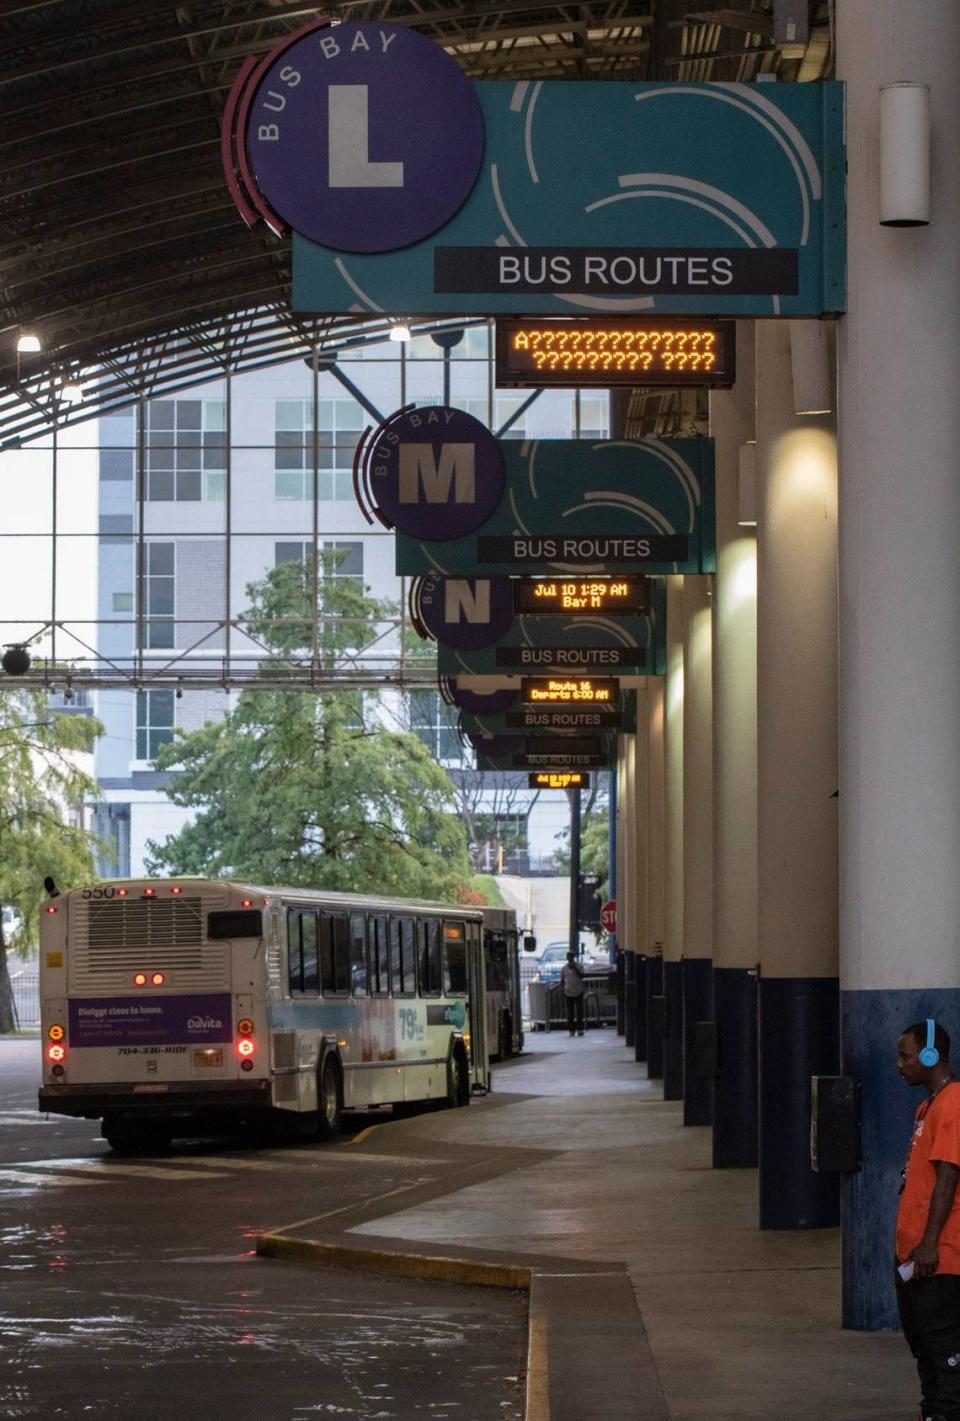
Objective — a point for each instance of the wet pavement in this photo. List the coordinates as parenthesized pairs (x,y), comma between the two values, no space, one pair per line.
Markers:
(130,1288)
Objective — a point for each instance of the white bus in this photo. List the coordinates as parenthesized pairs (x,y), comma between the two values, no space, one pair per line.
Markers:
(501,958)
(169,1006)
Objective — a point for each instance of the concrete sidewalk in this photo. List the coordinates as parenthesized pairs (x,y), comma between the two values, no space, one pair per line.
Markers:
(652,1292)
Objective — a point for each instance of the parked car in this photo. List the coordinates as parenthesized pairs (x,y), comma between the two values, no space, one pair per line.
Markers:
(554,955)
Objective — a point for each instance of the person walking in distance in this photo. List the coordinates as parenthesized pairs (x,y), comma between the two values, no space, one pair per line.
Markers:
(928,1223)
(571,976)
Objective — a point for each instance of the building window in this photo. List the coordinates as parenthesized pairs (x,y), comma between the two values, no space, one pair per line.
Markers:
(154,722)
(435,723)
(347,562)
(158,594)
(123,601)
(186,451)
(339,423)
(594,416)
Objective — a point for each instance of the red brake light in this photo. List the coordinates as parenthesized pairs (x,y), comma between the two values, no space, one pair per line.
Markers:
(51,908)
(246,903)
(158,979)
(56,1052)
(140,979)
(245,1047)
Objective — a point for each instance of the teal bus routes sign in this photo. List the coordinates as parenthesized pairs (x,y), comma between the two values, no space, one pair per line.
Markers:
(567,506)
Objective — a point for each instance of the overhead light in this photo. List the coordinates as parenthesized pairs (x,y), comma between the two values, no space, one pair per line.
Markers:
(401,331)
(71,393)
(28,344)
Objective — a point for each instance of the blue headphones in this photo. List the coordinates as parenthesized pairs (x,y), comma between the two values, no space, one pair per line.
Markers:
(929,1055)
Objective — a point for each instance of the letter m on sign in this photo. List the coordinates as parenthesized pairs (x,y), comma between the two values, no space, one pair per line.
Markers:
(418,465)
(465,603)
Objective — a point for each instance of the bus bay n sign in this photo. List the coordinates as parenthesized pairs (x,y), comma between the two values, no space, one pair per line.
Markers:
(410,189)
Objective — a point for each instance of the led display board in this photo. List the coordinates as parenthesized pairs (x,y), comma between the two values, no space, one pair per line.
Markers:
(564,596)
(558,779)
(569,690)
(604,352)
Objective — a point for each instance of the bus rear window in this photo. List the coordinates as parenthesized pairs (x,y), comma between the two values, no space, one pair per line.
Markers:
(454,959)
(242,923)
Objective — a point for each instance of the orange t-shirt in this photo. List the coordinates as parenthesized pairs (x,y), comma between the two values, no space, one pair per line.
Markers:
(936,1136)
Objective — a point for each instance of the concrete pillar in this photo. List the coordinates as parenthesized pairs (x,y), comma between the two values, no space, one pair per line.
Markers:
(899,373)
(697,841)
(629,936)
(640,796)
(735,778)
(655,868)
(673,799)
(797,781)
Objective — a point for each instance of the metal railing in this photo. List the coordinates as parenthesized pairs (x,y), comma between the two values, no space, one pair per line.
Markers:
(25,983)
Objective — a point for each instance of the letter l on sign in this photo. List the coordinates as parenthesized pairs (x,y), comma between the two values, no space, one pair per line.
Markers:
(349,162)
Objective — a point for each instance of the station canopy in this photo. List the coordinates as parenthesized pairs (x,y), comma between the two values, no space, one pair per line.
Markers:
(120,248)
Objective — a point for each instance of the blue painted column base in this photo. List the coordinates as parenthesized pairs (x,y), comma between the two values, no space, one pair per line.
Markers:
(735,1132)
(629,998)
(799,1038)
(871,1023)
(697,1006)
(640,1022)
(673,1040)
(654,1039)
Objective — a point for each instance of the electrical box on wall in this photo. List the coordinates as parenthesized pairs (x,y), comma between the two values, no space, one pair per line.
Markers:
(835,1124)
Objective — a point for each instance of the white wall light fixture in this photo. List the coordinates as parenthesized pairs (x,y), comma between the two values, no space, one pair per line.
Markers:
(747,486)
(810,367)
(904,155)
(29,344)
(401,331)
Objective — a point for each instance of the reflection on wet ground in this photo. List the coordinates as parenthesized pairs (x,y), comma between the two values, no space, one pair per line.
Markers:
(129,1288)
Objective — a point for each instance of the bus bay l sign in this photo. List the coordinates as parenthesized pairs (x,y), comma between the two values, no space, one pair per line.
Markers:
(362,137)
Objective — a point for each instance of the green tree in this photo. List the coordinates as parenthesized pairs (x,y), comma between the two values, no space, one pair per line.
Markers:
(311,790)
(42,792)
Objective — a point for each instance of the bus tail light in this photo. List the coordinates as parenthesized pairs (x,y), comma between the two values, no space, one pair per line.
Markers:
(158,979)
(246,1046)
(56,1052)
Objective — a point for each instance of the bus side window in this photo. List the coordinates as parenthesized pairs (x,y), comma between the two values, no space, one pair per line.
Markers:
(454,959)
(358,955)
(340,955)
(326,953)
(379,971)
(294,958)
(431,963)
(408,960)
(396,979)
(308,939)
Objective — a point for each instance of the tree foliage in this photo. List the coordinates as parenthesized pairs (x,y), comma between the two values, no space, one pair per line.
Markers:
(312,790)
(42,792)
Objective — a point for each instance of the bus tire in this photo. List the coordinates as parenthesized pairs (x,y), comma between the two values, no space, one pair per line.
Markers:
(329,1100)
(458,1079)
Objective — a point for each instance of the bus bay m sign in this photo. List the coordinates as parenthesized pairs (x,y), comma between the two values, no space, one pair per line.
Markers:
(410,189)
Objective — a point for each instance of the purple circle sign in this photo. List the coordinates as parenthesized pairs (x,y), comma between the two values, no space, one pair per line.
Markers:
(481,703)
(465,613)
(365,137)
(435,473)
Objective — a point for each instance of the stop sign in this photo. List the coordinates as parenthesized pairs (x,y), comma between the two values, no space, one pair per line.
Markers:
(608,915)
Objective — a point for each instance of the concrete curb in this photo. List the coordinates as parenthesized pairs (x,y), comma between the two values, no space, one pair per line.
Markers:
(586,1343)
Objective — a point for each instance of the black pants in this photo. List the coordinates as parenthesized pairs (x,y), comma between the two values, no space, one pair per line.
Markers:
(575,1010)
(930,1316)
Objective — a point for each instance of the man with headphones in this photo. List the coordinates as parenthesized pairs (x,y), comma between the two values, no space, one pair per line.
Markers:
(928,1222)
